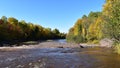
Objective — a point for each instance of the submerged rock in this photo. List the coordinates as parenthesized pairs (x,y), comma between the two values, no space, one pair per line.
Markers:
(60,47)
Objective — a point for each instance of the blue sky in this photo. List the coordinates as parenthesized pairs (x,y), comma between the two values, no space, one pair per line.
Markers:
(60,14)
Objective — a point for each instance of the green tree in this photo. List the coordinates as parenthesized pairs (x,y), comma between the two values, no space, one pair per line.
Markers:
(13,20)
(70,35)
(4,18)
(56,31)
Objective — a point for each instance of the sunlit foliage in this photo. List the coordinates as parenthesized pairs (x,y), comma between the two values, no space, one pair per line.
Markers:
(98,25)
(86,29)
(111,12)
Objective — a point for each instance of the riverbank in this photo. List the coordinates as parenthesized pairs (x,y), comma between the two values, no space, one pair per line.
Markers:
(43,44)
(49,44)
(52,54)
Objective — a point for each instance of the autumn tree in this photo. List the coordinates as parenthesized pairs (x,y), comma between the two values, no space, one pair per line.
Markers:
(70,35)
(88,28)
(12,30)
(111,11)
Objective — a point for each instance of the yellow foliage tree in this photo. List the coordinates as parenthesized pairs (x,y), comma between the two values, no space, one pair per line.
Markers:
(78,27)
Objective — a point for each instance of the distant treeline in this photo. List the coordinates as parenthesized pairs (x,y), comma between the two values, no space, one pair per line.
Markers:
(98,25)
(12,30)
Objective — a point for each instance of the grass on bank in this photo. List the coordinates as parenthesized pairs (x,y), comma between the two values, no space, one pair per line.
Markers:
(117,48)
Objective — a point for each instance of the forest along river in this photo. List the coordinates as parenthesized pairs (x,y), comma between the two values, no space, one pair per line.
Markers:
(49,54)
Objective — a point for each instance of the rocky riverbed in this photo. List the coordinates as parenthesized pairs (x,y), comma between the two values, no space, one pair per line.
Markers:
(51,54)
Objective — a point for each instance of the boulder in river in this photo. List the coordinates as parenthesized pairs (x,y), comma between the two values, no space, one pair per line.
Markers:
(106,42)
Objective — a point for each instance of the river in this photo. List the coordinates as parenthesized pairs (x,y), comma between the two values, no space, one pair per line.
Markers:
(68,57)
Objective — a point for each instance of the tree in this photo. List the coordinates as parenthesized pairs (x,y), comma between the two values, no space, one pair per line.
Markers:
(111,12)
(88,28)
(95,31)
(13,20)
(70,35)
(12,30)
(56,31)
(4,18)
(78,27)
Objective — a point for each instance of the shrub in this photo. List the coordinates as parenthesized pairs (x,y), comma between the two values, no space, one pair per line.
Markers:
(95,41)
(117,48)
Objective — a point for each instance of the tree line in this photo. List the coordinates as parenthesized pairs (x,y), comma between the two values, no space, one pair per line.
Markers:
(88,28)
(98,25)
(12,30)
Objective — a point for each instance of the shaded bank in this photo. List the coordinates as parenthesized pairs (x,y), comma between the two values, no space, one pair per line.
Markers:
(15,31)
(19,43)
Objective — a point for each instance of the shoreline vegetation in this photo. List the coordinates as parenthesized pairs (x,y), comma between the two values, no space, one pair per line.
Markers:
(13,31)
(97,26)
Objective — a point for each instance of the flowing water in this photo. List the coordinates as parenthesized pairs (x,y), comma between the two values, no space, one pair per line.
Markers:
(96,57)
